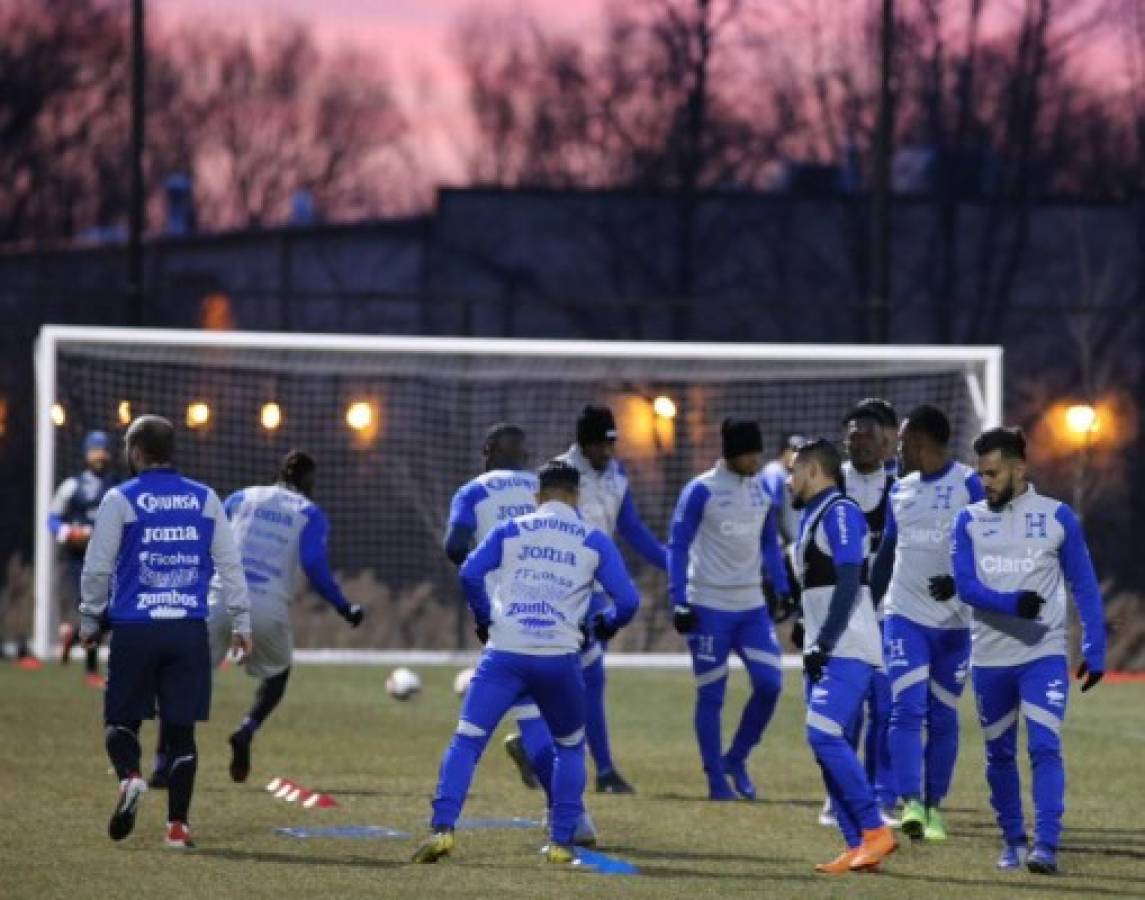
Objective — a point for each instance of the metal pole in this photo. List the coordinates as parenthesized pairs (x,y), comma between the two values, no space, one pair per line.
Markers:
(878,329)
(135,305)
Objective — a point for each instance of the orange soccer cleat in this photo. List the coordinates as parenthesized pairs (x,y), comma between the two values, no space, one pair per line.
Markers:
(878,844)
(841,864)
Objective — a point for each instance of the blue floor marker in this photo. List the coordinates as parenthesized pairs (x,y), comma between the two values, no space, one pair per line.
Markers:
(370,832)
(592,861)
(483,824)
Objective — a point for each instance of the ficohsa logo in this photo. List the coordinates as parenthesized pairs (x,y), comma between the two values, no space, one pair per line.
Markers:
(151,503)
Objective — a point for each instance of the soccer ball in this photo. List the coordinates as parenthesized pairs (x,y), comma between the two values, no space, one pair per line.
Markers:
(403,684)
(461,682)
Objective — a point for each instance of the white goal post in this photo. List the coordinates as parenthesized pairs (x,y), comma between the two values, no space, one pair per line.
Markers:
(385,477)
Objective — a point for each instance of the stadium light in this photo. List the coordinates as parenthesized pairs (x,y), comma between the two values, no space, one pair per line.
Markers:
(664,407)
(59,417)
(198,414)
(270,416)
(364,418)
(123,411)
(1082,420)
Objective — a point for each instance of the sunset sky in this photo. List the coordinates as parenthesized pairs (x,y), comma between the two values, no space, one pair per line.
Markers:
(412,36)
(413,39)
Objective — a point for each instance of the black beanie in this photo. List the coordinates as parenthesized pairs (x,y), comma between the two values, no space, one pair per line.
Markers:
(740,436)
(595,425)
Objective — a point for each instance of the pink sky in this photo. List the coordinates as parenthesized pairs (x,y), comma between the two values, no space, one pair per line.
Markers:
(412,36)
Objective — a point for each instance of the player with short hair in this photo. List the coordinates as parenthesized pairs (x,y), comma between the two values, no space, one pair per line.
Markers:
(606,503)
(774,476)
(157,540)
(926,631)
(1014,555)
(843,648)
(868,475)
(504,491)
(70,519)
(282,535)
(723,538)
(547,564)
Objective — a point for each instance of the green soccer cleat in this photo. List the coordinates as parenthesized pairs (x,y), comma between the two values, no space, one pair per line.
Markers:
(935,825)
(434,847)
(913,819)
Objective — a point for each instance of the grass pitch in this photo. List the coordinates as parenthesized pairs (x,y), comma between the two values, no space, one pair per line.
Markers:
(338,731)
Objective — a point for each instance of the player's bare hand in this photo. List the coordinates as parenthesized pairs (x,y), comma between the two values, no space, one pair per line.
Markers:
(240,648)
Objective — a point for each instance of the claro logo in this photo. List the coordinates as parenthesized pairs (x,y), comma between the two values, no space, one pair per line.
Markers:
(1007,565)
(151,503)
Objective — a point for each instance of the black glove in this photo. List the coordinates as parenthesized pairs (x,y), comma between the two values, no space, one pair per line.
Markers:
(482,632)
(684,619)
(797,633)
(814,662)
(353,614)
(604,627)
(1091,678)
(942,588)
(1030,603)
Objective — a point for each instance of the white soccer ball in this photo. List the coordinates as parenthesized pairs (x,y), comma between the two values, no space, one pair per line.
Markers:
(403,684)
(461,682)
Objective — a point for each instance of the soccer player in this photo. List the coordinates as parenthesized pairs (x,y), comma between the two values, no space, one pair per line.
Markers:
(723,536)
(843,648)
(774,477)
(606,503)
(503,491)
(282,535)
(926,631)
(867,479)
(1014,554)
(547,563)
(70,521)
(156,541)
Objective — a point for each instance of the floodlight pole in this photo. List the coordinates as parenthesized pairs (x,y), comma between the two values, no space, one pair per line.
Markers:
(878,305)
(135,305)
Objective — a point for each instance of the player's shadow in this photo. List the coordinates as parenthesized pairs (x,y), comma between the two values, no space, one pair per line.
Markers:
(640,853)
(1037,888)
(293,859)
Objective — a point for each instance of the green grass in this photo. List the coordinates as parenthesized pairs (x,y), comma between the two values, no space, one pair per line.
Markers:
(338,731)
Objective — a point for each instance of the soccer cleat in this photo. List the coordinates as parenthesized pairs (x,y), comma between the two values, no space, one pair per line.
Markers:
(878,844)
(1043,860)
(585,834)
(613,783)
(914,819)
(827,815)
(840,865)
(95,680)
(178,836)
(742,782)
(719,789)
(515,747)
(240,743)
(935,824)
(434,847)
(559,854)
(1013,857)
(131,789)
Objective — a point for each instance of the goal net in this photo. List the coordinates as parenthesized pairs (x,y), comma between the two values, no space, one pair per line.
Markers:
(396,425)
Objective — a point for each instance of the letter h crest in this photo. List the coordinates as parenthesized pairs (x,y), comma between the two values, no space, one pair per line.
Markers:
(1035,525)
